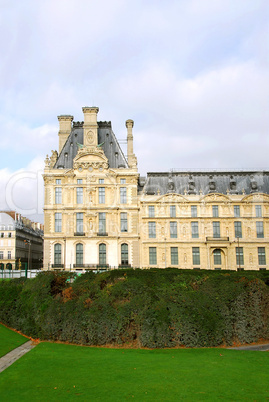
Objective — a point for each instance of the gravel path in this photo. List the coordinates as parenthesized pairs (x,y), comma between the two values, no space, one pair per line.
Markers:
(261,348)
(14,355)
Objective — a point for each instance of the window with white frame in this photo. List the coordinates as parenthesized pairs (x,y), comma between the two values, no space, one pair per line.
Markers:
(238,229)
(194,211)
(258,210)
(194,230)
(196,256)
(123,222)
(123,195)
(237,211)
(102,198)
(216,229)
(79,195)
(79,254)
(172,211)
(58,222)
(152,256)
(57,254)
(58,195)
(102,222)
(215,211)
(79,222)
(174,255)
(173,230)
(151,209)
(152,230)
(261,256)
(259,229)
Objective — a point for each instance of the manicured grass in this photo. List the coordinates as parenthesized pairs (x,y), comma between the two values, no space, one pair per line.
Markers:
(9,340)
(56,372)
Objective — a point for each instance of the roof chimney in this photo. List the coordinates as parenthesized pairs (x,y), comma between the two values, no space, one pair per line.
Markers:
(90,125)
(132,161)
(65,127)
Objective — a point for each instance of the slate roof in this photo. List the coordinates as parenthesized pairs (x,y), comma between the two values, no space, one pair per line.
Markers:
(207,182)
(111,147)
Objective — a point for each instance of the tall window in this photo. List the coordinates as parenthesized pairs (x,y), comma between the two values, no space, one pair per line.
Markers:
(58,222)
(9,255)
(237,211)
(152,230)
(258,210)
(238,229)
(216,229)
(102,254)
(174,256)
(79,254)
(124,254)
(58,195)
(194,230)
(1,255)
(101,191)
(123,222)
(193,211)
(151,211)
(57,253)
(102,222)
(79,195)
(215,211)
(196,255)
(152,256)
(217,256)
(259,228)
(123,195)
(239,256)
(172,211)
(261,256)
(173,230)
(79,223)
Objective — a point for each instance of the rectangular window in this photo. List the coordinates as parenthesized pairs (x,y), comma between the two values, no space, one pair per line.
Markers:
(122,181)
(194,230)
(196,255)
(152,256)
(174,256)
(102,222)
(79,223)
(215,211)
(217,257)
(237,211)
(193,211)
(9,255)
(1,255)
(58,222)
(58,181)
(58,195)
(151,211)
(258,209)
(10,235)
(2,234)
(172,211)
(173,230)
(123,222)
(239,256)
(102,198)
(259,228)
(79,195)
(261,256)
(79,181)
(152,230)
(101,181)
(238,229)
(123,195)
(216,229)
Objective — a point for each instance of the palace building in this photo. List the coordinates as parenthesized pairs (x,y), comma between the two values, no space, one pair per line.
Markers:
(99,212)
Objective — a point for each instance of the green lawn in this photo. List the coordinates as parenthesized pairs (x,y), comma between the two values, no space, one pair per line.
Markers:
(9,340)
(56,372)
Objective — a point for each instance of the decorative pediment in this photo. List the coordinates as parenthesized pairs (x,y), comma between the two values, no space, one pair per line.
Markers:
(171,198)
(215,197)
(256,197)
(90,158)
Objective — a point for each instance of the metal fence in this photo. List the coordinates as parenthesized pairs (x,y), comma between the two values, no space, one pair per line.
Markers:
(12,273)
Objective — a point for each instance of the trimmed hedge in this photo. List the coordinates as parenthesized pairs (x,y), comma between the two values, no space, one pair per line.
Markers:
(145,308)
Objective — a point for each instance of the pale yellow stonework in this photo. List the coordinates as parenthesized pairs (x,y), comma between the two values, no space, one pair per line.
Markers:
(149,240)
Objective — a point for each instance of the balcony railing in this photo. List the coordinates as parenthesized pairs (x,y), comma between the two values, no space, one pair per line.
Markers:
(219,239)
(57,265)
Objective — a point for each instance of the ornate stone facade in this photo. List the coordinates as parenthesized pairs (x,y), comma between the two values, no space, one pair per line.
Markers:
(100,212)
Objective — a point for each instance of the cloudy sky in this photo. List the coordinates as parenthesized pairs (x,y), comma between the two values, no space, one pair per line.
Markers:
(192,74)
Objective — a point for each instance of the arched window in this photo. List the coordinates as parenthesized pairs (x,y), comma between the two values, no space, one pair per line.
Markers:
(57,253)
(124,254)
(79,254)
(217,256)
(102,254)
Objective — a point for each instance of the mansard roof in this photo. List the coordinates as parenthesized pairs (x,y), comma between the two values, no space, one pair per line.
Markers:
(106,137)
(232,182)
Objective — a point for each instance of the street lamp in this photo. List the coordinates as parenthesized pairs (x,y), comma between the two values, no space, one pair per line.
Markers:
(27,241)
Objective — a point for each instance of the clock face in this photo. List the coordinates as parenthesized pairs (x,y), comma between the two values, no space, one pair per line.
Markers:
(90,137)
